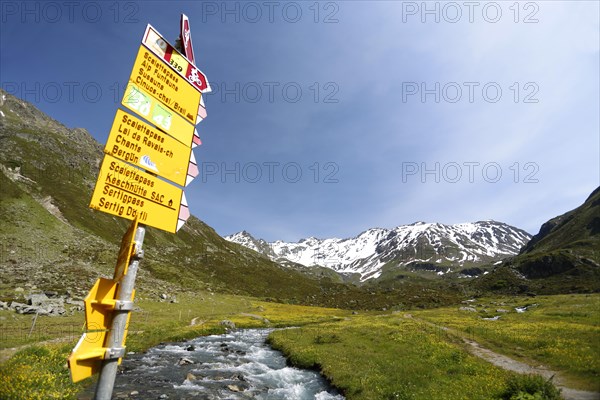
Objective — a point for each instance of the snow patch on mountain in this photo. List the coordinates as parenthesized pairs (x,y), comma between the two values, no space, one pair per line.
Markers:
(366,254)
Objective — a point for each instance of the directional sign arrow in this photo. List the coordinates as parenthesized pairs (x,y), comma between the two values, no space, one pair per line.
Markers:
(201,115)
(184,212)
(196,140)
(201,111)
(192,171)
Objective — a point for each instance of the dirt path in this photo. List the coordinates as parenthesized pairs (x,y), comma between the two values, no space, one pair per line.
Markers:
(510,364)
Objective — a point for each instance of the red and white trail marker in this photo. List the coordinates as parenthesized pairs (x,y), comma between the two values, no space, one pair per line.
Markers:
(157,44)
(186,38)
(184,212)
(192,169)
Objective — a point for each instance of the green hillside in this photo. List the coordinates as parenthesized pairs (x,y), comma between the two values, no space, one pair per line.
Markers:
(51,238)
(564,257)
(52,241)
(578,230)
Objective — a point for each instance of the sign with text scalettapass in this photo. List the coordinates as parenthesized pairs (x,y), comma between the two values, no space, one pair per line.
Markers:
(161,82)
(146,161)
(140,152)
(143,145)
(128,192)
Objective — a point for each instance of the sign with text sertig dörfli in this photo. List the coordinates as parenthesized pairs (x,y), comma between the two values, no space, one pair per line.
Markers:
(164,89)
(128,192)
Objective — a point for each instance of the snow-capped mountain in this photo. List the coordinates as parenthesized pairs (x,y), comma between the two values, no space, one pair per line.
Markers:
(449,246)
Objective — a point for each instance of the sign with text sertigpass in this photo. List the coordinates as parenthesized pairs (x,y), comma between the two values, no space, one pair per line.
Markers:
(157,78)
(143,104)
(126,191)
(141,144)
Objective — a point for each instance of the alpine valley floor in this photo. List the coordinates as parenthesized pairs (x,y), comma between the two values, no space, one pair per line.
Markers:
(405,354)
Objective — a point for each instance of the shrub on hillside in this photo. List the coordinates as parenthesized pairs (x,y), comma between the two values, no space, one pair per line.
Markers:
(530,387)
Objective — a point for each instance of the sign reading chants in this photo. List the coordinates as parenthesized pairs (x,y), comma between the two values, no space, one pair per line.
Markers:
(141,144)
(144,162)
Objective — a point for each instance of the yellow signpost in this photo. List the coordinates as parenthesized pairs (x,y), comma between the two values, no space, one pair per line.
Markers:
(86,358)
(142,103)
(141,144)
(98,302)
(137,155)
(128,192)
(157,78)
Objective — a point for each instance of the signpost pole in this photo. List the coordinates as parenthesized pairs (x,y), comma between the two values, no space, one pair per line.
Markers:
(114,341)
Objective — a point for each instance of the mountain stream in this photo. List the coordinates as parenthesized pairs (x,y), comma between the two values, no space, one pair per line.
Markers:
(237,365)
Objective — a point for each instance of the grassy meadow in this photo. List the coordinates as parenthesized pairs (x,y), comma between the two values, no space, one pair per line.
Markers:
(37,367)
(562,332)
(390,357)
(368,355)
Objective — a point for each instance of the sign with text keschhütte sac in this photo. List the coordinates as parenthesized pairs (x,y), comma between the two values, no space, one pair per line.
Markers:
(128,192)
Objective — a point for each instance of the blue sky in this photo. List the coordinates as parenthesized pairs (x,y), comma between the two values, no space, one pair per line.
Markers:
(328,118)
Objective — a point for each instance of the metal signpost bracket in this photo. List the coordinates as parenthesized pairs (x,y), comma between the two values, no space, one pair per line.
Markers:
(114,353)
(138,253)
(123,305)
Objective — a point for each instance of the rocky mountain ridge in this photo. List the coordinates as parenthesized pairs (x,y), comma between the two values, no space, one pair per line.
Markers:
(437,246)
(563,257)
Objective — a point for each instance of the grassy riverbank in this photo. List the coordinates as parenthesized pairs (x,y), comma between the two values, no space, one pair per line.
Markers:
(37,365)
(391,357)
(367,355)
(413,356)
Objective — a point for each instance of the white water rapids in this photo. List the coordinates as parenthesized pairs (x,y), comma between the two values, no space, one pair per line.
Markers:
(237,365)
